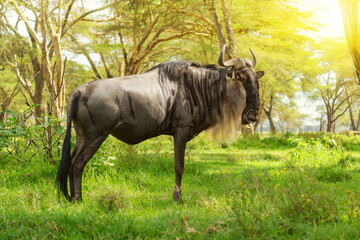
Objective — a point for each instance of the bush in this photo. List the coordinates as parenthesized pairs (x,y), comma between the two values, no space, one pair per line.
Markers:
(279,141)
(321,152)
(347,160)
(20,133)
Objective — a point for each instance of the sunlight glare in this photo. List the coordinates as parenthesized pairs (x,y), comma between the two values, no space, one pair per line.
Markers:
(328,14)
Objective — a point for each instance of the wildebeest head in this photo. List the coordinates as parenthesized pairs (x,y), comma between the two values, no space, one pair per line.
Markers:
(242,69)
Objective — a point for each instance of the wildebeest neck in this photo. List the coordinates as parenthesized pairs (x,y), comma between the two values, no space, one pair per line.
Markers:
(206,97)
(200,94)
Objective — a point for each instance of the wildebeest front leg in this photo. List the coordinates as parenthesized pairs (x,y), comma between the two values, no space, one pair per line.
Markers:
(180,139)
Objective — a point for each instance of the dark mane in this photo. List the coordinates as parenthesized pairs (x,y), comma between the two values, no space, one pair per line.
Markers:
(207,66)
(171,66)
(203,87)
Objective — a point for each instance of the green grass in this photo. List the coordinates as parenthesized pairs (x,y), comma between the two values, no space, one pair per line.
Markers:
(255,188)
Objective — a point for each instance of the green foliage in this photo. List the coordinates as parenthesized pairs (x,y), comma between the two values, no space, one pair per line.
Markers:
(315,152)
(262,142)
(347,160)
(19,135)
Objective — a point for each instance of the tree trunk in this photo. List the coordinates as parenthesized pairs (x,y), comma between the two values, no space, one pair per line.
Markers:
(261,109)
(218,27)
(256,125)
(330,123)
(3,115)
(229,30)
(38,76)
(352,121)
(357,123)
(328,127)
(271,122)
(322,123)
(354,126)
(350,14)
(349,102)
(6,100)
(39,87)
(268,115)
(106,65)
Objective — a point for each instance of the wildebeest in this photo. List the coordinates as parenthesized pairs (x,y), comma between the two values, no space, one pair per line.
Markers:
(175,98)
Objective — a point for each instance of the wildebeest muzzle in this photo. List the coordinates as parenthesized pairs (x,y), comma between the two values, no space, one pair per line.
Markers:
(250,116)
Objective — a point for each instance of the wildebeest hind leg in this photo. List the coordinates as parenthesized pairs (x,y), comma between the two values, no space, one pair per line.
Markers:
(76,153)
(88,150)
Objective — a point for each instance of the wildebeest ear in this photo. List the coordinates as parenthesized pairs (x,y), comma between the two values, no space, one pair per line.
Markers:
(259,74)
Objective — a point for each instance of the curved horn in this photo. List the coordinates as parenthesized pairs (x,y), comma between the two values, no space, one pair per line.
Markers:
(221,56)
(254,57)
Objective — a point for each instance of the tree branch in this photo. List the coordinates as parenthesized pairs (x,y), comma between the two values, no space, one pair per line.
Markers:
(72,23)
(125,55)
(29,28)
(339,105)
(202,18)
(147,33)
(87,55)
(332,121)
(151,45)
(66,18)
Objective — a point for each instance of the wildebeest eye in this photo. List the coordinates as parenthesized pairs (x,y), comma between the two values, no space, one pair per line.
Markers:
(242,77)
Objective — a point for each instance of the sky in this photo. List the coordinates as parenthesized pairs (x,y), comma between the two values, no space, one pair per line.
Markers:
(327,13)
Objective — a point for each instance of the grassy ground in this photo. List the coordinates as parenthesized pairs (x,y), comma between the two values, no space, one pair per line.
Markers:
(281,187)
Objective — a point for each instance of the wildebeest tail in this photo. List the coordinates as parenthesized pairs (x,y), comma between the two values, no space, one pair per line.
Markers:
(63,171)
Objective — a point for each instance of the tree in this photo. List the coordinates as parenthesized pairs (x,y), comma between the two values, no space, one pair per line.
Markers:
(352,94)
(219,29)
(350,13)
(332,94)
(46,22)
(333,85)
(268,113)
(290,119)
(139,34)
